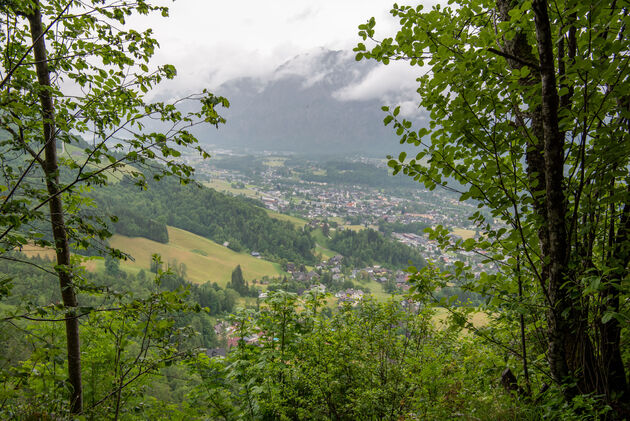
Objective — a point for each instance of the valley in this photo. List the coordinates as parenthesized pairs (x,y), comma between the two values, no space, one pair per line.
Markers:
(314,210)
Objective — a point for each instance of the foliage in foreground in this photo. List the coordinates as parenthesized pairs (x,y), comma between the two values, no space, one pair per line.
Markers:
(369,361)
(131,337)
(73,68)
(529,117)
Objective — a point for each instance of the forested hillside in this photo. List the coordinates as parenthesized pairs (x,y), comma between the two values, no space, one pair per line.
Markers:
(206,212)
(359,174)
(368,247)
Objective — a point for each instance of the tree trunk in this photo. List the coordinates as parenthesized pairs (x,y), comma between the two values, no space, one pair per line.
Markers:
(60,236)
(571,352)
(558,290)
(615,383)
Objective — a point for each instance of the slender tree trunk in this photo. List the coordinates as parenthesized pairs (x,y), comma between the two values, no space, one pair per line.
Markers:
(615,382)
(520,48)
(528,387)
(560,326)
(51,171)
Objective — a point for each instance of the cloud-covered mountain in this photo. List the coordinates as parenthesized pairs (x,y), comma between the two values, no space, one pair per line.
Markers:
(323,102)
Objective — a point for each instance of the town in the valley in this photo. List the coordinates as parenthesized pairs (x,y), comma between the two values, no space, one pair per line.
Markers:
(352,193)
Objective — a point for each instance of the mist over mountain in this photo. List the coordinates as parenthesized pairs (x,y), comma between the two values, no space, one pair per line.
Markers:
(322,102)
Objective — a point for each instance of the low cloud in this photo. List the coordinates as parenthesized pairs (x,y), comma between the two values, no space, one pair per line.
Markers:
(398,79)
(394,85)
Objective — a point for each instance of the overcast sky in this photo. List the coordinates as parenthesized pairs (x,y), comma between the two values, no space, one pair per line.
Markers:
(212,41)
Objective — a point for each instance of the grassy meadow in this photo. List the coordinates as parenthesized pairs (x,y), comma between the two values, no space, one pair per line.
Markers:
(226,187)
(464,233)
(297,222)
(205,260)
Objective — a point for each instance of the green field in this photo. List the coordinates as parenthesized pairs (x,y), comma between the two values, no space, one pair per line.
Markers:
(326,253)
(376,289)
(275,161)
(205,260)
(297,222)
(355,228)
(320,244)
(226,187)
(464,233)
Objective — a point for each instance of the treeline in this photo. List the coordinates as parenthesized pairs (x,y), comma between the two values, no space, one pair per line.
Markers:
(209,295)
(134,224)
(299,287)
(240,285)
(413,227)
(35,284)
(248,165)
(368,247)
(343,172)
(139,328)
(30,282)
(208,213)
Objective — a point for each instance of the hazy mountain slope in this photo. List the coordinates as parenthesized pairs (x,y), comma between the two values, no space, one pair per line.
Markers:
(297,110)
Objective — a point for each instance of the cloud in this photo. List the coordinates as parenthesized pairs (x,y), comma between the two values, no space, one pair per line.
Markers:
(394,81)
(304,15)
(211,42)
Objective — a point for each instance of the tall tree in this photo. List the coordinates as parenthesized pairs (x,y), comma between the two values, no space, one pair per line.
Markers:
(237,282)
(529,115)
(51,50)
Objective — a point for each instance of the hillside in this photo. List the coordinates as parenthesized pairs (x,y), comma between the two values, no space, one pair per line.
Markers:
(205,260)
(235,221)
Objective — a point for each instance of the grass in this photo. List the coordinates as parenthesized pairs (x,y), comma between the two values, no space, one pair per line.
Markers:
(31,251)
(187,248)
(326,253)
(320,244)
(355,228)
(478,319)
(226,187)
(297,222)
(464,233)
(376,289)
(358,228)
(275,161)
(90,264)
(338,219)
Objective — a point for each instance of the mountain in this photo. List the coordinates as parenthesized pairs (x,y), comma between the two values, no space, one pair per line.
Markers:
(298,108)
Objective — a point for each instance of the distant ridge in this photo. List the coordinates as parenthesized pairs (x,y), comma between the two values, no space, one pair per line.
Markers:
(297,110)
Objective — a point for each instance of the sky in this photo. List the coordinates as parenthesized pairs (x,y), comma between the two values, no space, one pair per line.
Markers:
(212,41)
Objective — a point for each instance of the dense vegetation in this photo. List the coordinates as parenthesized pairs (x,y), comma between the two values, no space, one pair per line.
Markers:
(357,173)
(527,105)
(372,361)
(130,325)
(368,247)
(131,223)
(105,65)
